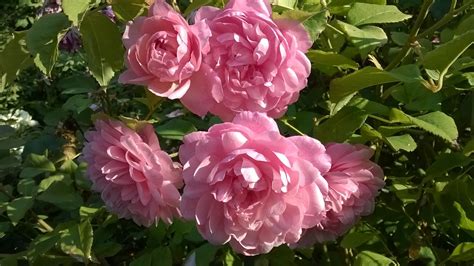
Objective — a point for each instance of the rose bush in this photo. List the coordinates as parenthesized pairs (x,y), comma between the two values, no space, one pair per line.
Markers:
(317,97)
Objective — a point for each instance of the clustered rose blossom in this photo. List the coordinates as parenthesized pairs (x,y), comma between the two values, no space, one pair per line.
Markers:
(248,185)
(259,61)
(164,52)
(231,60)
(135,177)
(245,183)
(354,182)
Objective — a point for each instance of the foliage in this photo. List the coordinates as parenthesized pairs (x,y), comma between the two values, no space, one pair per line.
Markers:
(396,75)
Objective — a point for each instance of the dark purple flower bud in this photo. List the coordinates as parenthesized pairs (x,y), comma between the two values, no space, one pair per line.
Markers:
(71,42)
(50,7)
(109,12)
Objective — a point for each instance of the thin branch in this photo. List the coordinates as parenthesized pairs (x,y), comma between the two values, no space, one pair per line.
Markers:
(285,122)
(425,8)
(447,18)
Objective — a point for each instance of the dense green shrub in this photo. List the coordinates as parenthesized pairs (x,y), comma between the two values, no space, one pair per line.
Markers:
(396,75)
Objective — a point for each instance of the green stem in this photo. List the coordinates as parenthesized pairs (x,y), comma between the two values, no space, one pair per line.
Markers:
(335,29)
(380,119)
(381,237)
(150,113)
(44,224)
(447,18)
(284,121)
(378,151)
(323,3)
(40,221)
(425,8)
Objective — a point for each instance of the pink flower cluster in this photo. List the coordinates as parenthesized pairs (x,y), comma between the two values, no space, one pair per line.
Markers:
(244,183)
(230,60)
(251,187)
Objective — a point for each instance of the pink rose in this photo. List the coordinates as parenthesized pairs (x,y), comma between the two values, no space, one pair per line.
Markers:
(259,61)
(135,177)
(354,182)
(249,186)
(164,52)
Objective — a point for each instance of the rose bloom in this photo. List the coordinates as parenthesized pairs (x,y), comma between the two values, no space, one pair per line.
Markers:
(247,185)
(259,61)
(354,182)
(164,52)
(135,177)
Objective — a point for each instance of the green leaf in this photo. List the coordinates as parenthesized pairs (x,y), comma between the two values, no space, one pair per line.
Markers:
(205,254)
(355,239)
(77,84)
(6,131)
(366,39)
(438,61)
(195,5)
(42,244)
(340,7)
(231,259)
(370,107)
(9,261)
(284,4)
(45,183)
(77,103)
(77,239)
(281,256)
(175,129)
(62,195)
(314,22)
(158,256)
(455,200)
(37,164)
(129,9)
(87,212)
(407,73)
(469,148)
(43,39)
(4,228)
(406,191)
(18,207)
(103,46)
(465,25)
(463,252)
(369,258)
(75,9)
(416,97)
(436,123)
(14,57)
(323,58)
(361,14)
(7,144)
(26,187)
(404,142)
(446,162)
(363,78)
(341,126)
(107,249)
